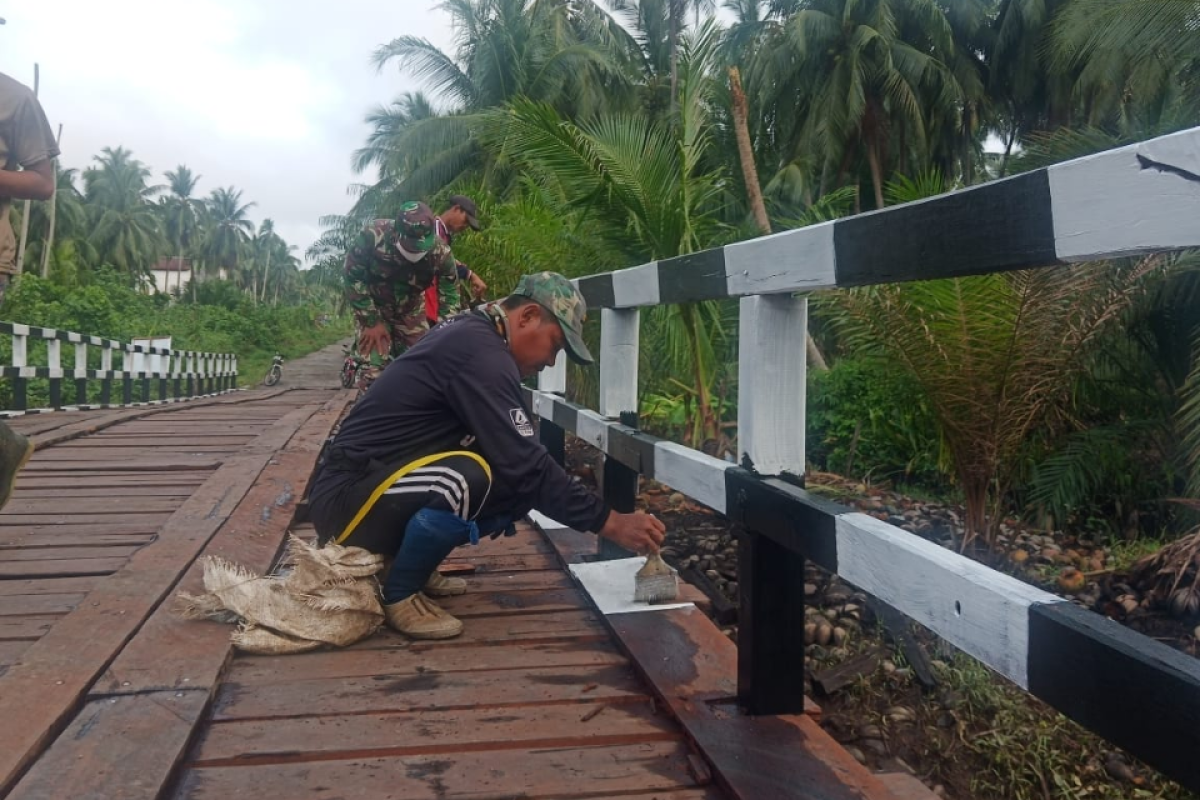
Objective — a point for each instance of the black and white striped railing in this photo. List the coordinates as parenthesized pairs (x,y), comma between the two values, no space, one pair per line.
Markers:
(161,375)
(1134,691)
(1142,198)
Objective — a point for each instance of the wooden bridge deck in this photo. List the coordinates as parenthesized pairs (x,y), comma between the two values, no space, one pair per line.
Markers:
(105,693)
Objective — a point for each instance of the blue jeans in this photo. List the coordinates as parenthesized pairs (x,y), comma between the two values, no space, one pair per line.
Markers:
(430,535)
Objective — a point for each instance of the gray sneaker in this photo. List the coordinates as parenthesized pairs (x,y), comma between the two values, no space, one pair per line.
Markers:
(15,450)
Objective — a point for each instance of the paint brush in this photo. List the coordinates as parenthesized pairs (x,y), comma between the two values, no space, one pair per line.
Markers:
(655,582)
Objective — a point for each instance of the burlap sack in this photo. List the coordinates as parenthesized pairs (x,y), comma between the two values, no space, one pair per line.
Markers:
(324,596)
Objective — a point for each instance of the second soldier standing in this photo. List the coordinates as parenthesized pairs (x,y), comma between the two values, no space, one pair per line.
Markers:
(388,268)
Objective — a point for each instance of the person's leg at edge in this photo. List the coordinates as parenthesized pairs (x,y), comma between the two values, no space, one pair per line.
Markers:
(15,450)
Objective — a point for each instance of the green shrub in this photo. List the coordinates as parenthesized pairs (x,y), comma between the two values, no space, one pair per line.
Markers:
(868,420)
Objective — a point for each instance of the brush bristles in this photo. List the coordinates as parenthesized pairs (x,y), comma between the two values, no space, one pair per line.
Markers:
(655,582)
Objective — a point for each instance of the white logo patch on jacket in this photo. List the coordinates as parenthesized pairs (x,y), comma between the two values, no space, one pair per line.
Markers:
(521,421)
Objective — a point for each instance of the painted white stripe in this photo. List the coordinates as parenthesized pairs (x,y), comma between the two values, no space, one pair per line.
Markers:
(1113,204)
(20,330)
(554,378)
(619,336)
(610,584)
(772,365)
(793,261)
(636,286)
(980,611)
(544,522)
(691,472)
(592,428)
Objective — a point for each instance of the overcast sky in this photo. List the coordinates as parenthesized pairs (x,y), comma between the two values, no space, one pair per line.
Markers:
(265,95)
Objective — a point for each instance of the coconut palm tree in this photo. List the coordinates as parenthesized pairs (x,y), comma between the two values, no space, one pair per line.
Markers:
(126,230)
(647,187)
(230,228)
(181,213)
(857,80)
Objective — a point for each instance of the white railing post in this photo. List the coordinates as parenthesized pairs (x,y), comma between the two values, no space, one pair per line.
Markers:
(618,361)
(771,383)
(554,379)
(20,348)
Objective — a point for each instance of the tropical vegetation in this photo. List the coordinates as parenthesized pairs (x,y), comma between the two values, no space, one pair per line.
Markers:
(601,135)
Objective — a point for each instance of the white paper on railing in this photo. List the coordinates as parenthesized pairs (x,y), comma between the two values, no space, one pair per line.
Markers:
(610,584)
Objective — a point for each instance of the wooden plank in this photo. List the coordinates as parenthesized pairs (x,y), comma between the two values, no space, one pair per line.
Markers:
(180,491)
(187,440)
(22,570)
(119,747)
(49,480)
(499,564)
(15,555)
(1083,663)
(469,730)
(16,534)
(418,659)
(563,625)
(50,586)
(691,668)
(148,464)
(10,652)
(558,773)
(148,520)
(21,604)
(426,691)
(492,604)
(37,695)
(11,539)
(27,627)
(173,652)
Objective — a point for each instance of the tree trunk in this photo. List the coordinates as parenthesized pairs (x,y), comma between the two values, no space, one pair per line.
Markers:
(758,207)
(266,275)
(876,172)
(749,171)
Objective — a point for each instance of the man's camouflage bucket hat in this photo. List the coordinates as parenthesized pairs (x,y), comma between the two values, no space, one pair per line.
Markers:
(560,297)
(415,229)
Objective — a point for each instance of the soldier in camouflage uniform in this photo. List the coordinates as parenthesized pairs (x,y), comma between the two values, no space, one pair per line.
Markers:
(388,268)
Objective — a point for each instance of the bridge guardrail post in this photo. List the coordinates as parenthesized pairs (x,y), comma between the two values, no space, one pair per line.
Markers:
(771,409)
(106,369)
(20,359)
(54,368)
(81,372)
(619,343)
(553,437)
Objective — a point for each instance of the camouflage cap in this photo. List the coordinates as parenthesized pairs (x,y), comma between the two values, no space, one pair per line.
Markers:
(415,230)
(560,297)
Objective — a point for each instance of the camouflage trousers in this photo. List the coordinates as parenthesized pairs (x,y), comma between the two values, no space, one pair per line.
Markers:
(406,324)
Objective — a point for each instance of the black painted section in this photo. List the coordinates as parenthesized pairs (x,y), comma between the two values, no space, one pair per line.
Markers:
(770,617)
(566,416)
(20,397)
(106,386)
(620,487)
(632,448)
(80,391)
(698,276)
(799,522)
(1000,226)
(1135,692)
(597,290)
(56,400)
(554,439)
